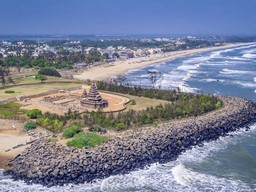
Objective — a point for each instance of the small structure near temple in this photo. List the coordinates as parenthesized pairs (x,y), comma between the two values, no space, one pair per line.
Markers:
(93,99)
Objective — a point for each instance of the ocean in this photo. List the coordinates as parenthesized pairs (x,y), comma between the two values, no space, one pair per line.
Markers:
(227,164)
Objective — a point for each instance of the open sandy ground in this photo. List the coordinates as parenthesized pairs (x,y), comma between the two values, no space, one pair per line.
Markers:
(119,67)
(11,135)
(72,101)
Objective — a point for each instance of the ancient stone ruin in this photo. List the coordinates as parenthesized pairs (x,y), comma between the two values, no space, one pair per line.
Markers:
(93,99)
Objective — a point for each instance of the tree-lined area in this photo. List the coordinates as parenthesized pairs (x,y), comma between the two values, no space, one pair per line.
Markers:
(180,105)
(61,59)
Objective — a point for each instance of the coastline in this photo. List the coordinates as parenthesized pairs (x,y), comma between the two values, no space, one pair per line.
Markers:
(109,70)
(52,164)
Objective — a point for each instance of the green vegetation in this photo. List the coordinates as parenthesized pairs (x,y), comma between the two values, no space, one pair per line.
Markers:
(49,72)
(11,109)
(4,72)
(29,125)
(93,56)
(179,105)
(96,128)
(71,131)
(218,105)
(41,78)
(133,102)
(9,91)
(56,123)
(34,113)
(31,79)
(87,140)
(46,59)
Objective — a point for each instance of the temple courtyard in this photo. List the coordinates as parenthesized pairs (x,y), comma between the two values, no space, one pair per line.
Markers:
(64,100)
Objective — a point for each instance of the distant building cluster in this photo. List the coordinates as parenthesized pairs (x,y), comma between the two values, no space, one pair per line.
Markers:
(109,50)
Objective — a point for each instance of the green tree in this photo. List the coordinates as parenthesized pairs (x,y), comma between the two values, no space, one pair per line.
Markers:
(71,131)
(41,78)
(34,113)
(4,72)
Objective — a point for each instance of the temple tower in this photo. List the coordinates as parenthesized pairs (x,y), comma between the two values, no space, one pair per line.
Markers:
(93,98)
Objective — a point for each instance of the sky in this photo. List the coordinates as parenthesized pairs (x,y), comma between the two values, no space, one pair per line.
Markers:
(203,17)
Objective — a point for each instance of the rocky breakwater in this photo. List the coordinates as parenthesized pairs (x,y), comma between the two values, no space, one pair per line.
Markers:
(52,164)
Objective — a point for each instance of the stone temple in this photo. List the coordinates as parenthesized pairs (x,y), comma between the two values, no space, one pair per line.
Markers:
(93,99)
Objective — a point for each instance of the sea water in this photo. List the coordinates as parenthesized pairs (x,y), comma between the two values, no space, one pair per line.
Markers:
(227,164)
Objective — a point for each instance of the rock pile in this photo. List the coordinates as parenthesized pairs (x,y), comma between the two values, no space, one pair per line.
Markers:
(52,164)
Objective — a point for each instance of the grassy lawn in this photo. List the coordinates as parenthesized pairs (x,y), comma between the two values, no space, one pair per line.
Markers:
(11,109)
(39,88)
(34,89)
(87,140)
(143,102)
(31,79)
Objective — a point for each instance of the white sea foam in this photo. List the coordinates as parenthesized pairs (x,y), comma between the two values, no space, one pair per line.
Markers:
(245,84)
(191,179)
(176,79)
(198,154)
(248,51)
(216,54)
(132,71)
(212,80)
(249,56)
(238,58)
(188,67)
(196,60)
(186,77)
(219,63)
(232,72)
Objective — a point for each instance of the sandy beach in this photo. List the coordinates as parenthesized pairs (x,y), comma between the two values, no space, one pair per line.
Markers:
(11,135)
(119,67)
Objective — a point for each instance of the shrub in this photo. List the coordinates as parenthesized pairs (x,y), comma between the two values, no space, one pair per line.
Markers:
(87,140)
(49,72)
(97,129)
(120,126)
(155,123)
(71,131)
(218,104)
(29,125)
(43,121)
(34,113)
(133,102)
(41,78)
(9,91)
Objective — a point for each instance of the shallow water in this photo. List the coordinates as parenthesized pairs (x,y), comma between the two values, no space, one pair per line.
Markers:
(227,164)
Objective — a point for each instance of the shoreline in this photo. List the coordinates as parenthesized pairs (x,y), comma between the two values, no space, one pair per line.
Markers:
(100,73)
(52,164)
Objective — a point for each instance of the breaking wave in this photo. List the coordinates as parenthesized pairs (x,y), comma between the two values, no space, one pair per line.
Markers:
(232,72)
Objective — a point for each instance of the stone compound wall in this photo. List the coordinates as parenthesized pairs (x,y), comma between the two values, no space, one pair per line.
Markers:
(51,164)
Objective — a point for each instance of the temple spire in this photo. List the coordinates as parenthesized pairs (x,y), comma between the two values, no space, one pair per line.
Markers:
(93,98)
